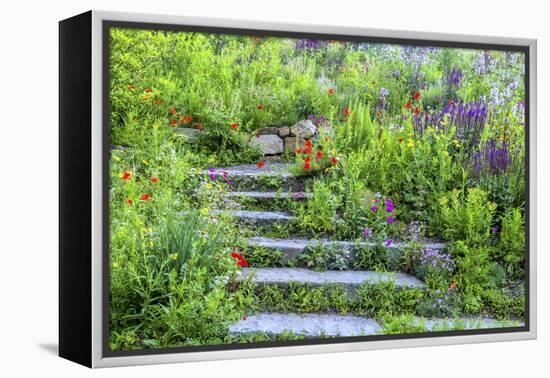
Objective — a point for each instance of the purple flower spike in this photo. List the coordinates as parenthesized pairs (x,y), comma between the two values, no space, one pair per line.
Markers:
(374,208)
(212,173)
(366,233)
(388,242)
(390,220)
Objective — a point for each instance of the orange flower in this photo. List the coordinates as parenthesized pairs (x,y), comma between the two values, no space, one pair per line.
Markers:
(174,122)
(131,87)
(261,164)
(333,160)
(148,90)
(173,110)
(307,166)
(308,159)
(129,201)
(145,197)
(408,105)
(188,118)
(319,155)
(199,125)
(417,95)
(331,91)
(417,110)
(260,106)
(347,111)
(400,140)
(308,150)
(126,175)
(154,179)
(158,102)
(234,125)
(299,151)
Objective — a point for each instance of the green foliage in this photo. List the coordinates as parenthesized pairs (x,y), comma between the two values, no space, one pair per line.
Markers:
(403,324)
(319,213)
(325,257)
(511,245)
(467,216)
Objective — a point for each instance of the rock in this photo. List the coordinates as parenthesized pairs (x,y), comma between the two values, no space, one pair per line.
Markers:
(272,157)
(291,143)
(268,131)
(305,129)
(268,144)
(323,130)
(308,325)
(284,131)
(191,134)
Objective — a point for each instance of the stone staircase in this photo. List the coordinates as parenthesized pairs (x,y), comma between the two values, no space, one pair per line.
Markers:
(263,186)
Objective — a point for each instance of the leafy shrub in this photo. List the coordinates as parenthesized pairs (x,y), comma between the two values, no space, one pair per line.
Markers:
(511,245)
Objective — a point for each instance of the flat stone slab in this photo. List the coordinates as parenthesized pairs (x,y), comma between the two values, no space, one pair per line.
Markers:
(350,279)
(308,325)
(259,217)
(468,323)
(267,143)
(252,170)
(268,196)
(293,247)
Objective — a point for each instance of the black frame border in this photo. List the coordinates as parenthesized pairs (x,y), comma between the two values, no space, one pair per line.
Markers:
(108,24)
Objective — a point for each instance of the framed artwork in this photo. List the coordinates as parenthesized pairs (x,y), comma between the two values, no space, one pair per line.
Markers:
(234,189)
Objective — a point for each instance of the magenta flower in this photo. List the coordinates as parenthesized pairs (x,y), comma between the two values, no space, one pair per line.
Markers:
(374,208)
(390,220)
(388,242)
(212,173)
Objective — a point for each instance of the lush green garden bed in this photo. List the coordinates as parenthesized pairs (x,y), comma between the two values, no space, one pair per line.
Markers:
(415,144)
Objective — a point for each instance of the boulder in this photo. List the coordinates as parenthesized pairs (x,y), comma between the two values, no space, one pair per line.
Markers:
(284,131)
(305,129)
(325,130)
(191,134)
(268,144)
(267,131)
(291,143)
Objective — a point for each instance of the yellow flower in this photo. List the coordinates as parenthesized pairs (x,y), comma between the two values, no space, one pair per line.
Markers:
(115,265)
(209,186)
(204,211)
(116,158)
(333,151)
(410,144)
(173,256)
(145,162)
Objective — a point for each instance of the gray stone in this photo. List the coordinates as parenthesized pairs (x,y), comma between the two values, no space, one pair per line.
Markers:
(268,131)
(260,217)
(284,131)
(448,324)
(191,134)
(252,170)
(268,144)
(308,325)
(293,247)
(292,143)
(305,129)
(323,130)
(350,279)
(270,196)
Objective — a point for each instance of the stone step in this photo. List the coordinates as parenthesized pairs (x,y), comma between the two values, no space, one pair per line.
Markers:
(270,196)
(308,325)
(273,175)
(259,217)
(293,247)
(350,279)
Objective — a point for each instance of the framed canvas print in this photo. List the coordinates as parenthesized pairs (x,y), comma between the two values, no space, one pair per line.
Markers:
(234,189)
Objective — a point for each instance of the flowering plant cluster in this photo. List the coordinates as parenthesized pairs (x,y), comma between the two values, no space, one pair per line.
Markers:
(380,218)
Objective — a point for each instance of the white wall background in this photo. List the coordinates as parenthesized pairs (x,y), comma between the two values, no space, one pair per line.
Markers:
(28,184)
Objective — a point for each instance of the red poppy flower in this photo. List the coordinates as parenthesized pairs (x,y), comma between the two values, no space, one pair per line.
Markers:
(308,159)
(131,87)
(261,164)
(148,90)
(145,98)
(154,179)
(158,102)
(408,105)
(347,111)
(183,121)
(129,201)
(126,176)
(173,111)
(174,122)
(145,197)
(241,261)
(400,140)
(260,106)
(331,91)
(199,125)
(308,150)
(308,143)
(333,160)
(188,118)
(417,110)
(234,125)
(417,95)
(307,166)
(319,155)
